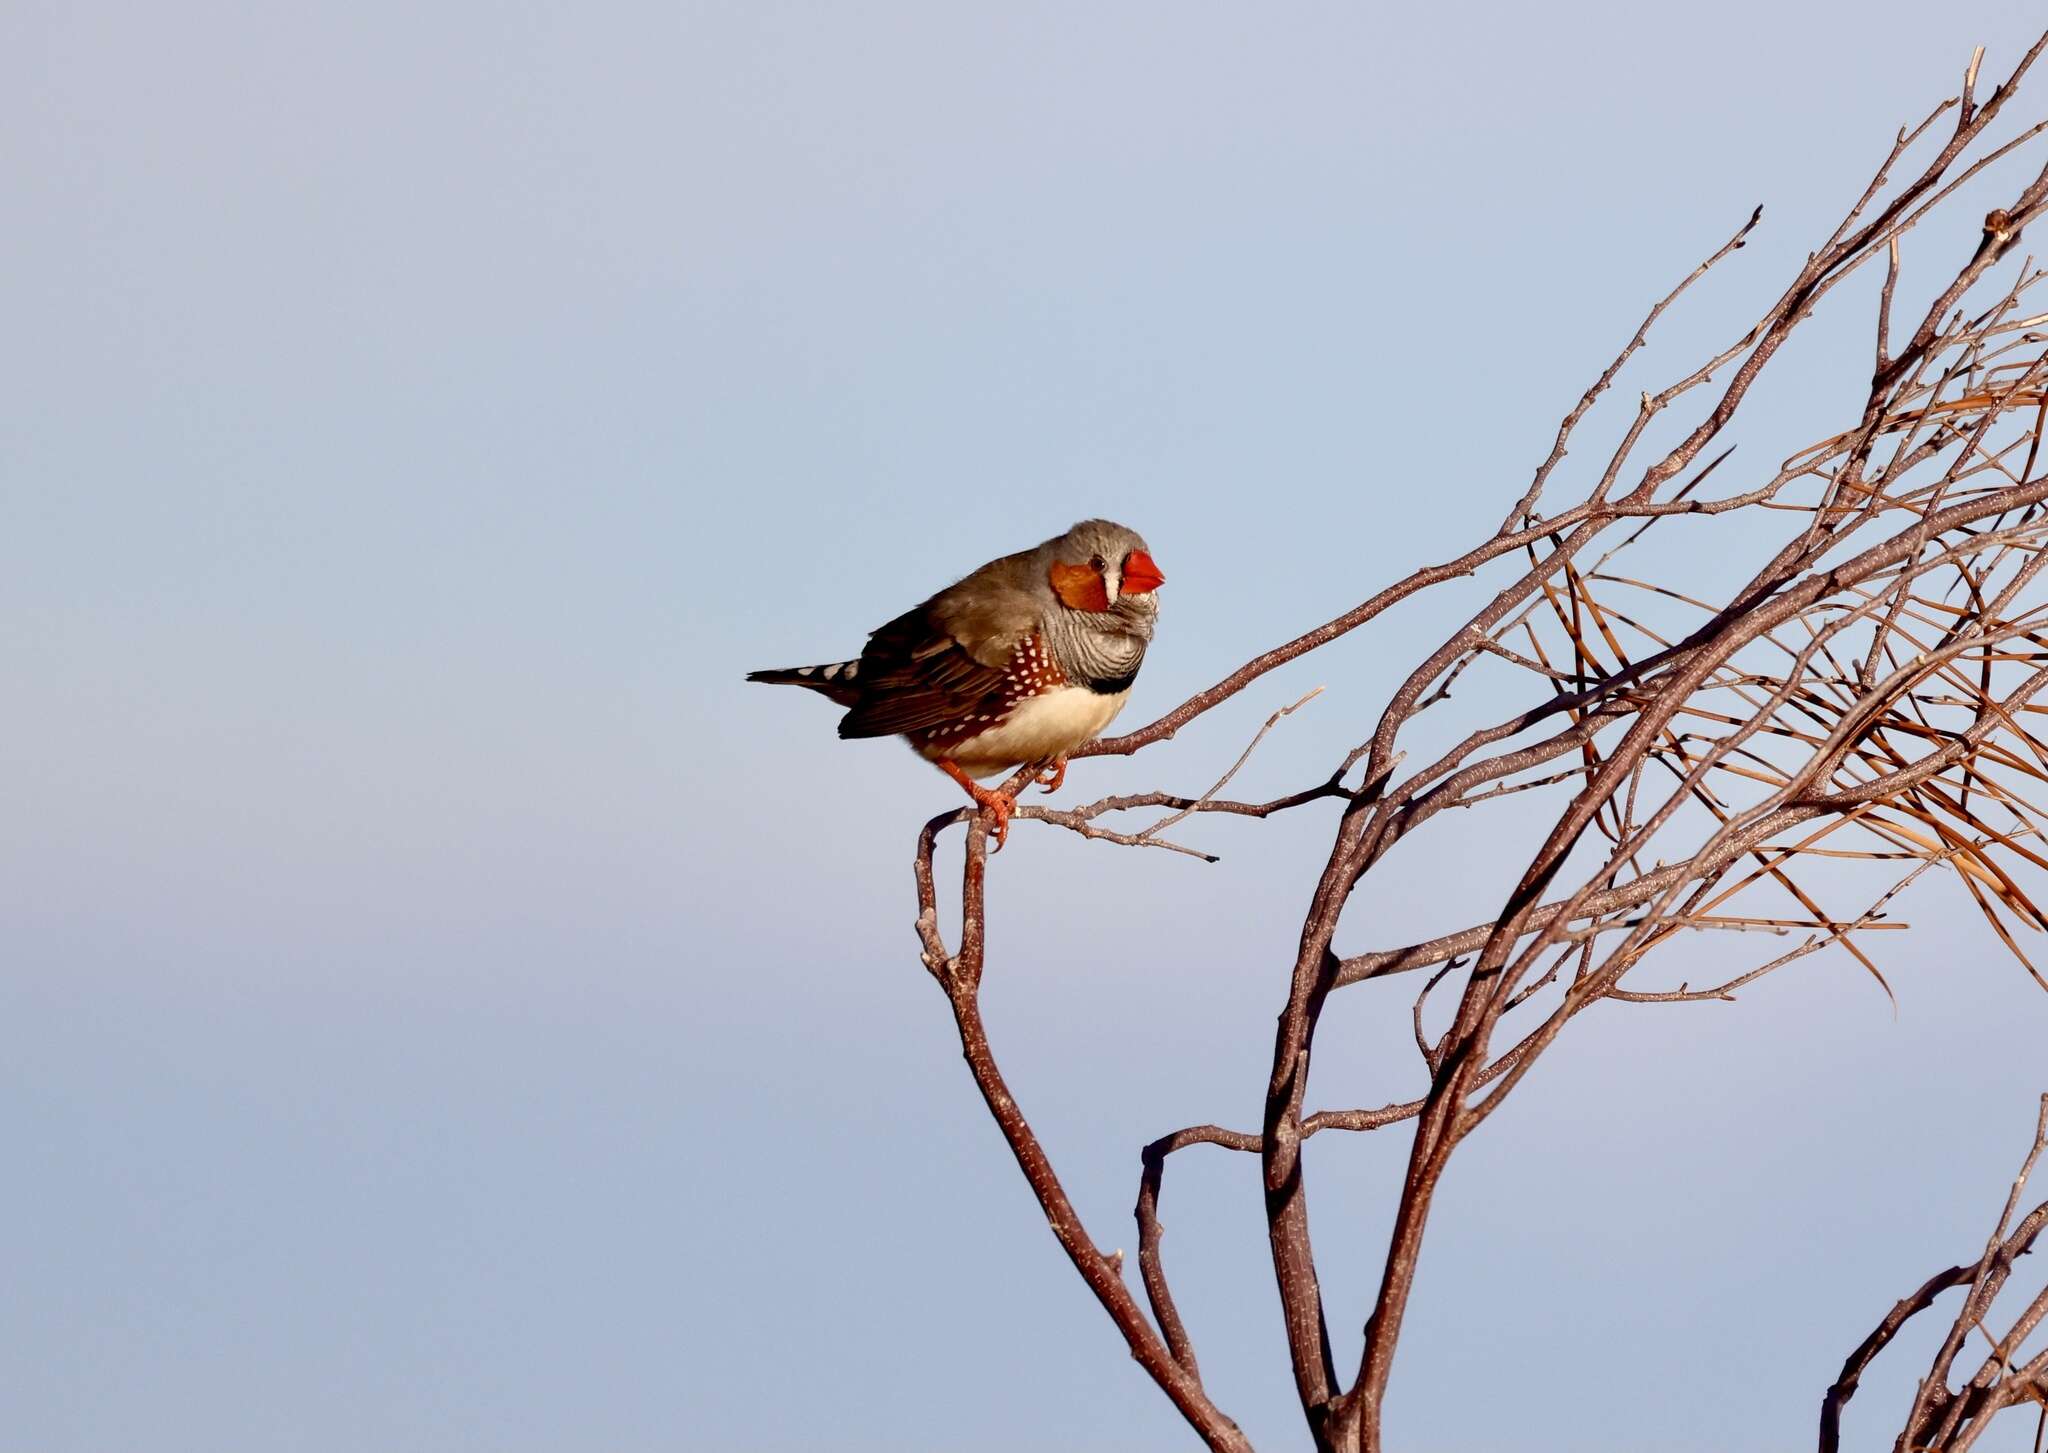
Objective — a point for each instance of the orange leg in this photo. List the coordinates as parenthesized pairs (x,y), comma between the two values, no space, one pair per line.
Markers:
(1051,778)
(998,805)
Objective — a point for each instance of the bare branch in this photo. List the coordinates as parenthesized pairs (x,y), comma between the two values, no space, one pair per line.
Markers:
(1864,695)
(1939,1419)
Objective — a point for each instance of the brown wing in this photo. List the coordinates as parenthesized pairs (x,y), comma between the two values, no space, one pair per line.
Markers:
(914,676)
(948,659)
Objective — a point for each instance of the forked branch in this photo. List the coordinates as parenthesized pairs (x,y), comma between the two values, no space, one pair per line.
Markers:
(1862,696)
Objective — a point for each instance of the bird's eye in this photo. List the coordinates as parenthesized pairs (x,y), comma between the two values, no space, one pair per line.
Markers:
(1095,561)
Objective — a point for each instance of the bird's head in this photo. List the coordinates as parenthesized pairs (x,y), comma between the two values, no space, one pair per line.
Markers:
(1103,570)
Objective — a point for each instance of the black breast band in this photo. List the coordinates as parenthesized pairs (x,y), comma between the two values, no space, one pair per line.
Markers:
(1111,685)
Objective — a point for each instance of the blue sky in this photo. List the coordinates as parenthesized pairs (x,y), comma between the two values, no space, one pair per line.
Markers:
(444,1007)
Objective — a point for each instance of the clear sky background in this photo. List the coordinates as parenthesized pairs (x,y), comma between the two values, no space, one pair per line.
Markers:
(444,1008)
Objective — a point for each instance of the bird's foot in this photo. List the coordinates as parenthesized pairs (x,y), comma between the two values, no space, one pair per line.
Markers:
(1051,778)
(997,804)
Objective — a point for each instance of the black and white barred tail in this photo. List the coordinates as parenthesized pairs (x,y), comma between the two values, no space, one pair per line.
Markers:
(836,680)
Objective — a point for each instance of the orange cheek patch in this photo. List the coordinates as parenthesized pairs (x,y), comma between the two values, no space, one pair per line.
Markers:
(1079,587)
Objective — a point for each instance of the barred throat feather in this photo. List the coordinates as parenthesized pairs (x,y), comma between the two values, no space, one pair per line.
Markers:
(1103,660)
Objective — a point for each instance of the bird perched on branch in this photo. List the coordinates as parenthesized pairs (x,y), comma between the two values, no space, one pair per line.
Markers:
(1018,664)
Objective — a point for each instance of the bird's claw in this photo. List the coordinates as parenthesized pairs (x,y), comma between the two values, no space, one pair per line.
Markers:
(998,805)
(1050,779)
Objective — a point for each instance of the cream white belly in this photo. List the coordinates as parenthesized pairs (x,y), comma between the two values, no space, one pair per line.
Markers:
(1048,725)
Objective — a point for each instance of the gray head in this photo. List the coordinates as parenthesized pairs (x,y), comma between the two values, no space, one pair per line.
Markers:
(1102,572)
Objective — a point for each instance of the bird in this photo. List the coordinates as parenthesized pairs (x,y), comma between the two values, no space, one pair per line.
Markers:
(1017,664)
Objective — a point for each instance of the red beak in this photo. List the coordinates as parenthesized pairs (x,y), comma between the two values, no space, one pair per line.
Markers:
(1141,576)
